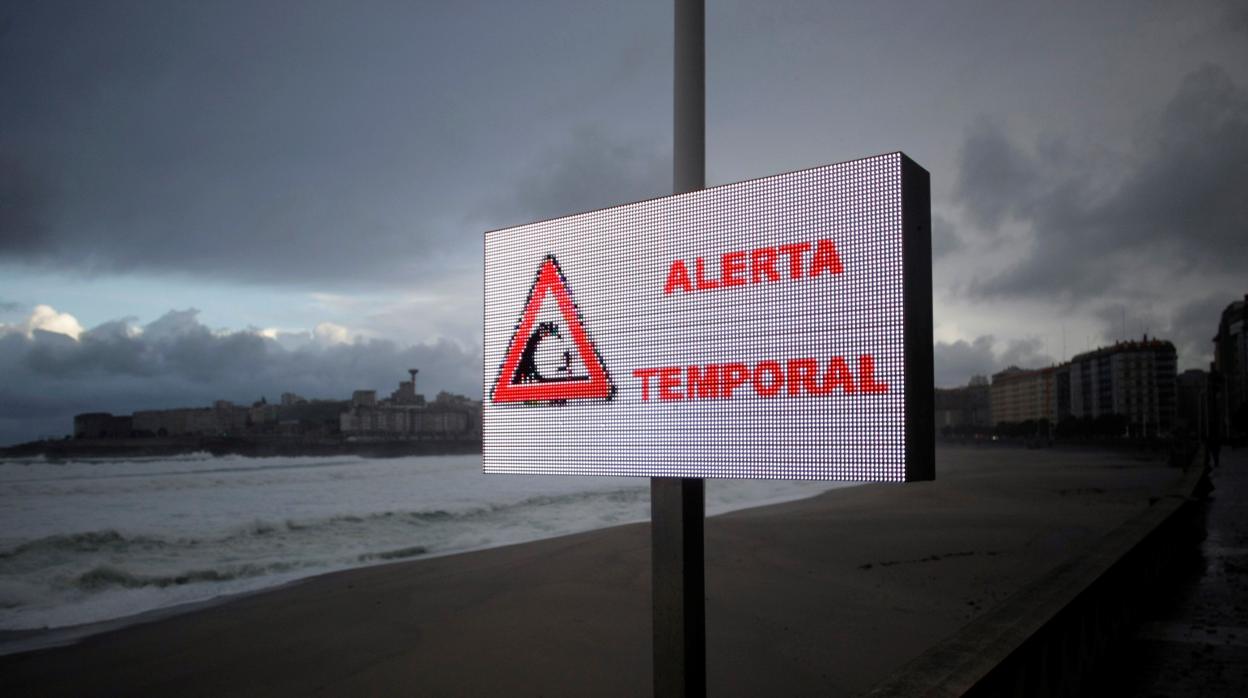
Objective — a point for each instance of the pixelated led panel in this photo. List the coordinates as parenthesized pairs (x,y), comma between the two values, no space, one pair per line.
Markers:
(752,330)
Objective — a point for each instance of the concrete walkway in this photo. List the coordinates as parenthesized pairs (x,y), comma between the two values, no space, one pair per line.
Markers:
(1197,643)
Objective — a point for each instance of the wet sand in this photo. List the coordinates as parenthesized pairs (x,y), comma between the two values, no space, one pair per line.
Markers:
(825,596)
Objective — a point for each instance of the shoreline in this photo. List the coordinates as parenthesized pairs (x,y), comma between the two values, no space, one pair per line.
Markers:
(261,446)
(15,641)
(825,595)
(250,446)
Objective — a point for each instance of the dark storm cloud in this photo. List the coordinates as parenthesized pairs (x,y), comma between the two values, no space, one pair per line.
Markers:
(176,361)
(1237,17)
(23,205)
(309,142)
(177,141)
(944,239)
(590,170)
(995,179)
(1191,326)
(956,362)
(1025,353)
(1181,209)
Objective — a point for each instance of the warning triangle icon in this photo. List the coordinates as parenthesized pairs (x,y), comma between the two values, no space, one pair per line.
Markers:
(522,378)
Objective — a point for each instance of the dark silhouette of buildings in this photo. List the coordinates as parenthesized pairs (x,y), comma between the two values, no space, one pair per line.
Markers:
(405,415)
(1022,395)
(102,425)
(963,411)
(1228,380)
(1192,410)
(1127,390)
(1133,381)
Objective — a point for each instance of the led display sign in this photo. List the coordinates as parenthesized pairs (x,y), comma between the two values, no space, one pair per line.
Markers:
(775,328)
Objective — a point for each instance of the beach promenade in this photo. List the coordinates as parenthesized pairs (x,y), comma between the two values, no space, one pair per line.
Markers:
(825,596)
(1195,642)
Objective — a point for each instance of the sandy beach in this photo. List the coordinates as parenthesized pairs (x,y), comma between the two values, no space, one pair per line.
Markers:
(824,596)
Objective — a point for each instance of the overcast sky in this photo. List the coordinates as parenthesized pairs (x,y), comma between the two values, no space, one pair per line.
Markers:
(227,199)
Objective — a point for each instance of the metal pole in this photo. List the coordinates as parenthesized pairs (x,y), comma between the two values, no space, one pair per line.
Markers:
(678,579)
(689,98)
(677,505)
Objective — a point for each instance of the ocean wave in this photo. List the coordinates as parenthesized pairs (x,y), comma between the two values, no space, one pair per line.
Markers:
(115,543)
(399,554)
(85,542)
(97,542)
(220,466)
(104,576)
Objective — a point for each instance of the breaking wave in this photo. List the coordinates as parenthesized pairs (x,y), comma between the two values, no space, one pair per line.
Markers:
(105,576)
(82,542)
(89,542)
(113,542)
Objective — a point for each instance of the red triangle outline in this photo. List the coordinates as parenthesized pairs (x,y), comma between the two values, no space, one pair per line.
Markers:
(550,279)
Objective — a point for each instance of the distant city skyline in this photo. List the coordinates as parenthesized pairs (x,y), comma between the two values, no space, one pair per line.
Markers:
(220,200)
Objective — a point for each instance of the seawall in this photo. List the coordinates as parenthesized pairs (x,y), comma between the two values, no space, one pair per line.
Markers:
(1047,639)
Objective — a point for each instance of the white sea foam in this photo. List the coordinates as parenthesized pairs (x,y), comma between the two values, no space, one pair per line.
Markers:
(89,541)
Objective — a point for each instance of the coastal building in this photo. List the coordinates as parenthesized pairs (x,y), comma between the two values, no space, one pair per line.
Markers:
(1061,393)
(1133,380)
(399,421)
(224,418)
(262,417)
(311,417)
(102,425)
(230,418)
(963,409)
(1020,395)
(407,415)
(1192,406)
(182,421)
(1229,379)
(406,394)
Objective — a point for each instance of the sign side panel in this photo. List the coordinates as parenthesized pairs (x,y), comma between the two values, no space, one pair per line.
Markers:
(916,216)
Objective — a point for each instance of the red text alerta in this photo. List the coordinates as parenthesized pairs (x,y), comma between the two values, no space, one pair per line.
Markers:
(769,378)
